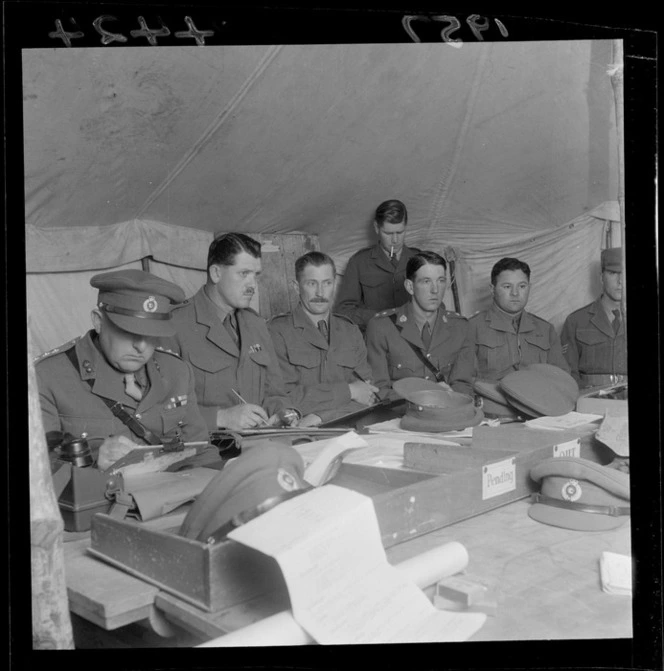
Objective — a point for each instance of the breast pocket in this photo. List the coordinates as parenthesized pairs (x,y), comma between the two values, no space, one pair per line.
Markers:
(594,349)
(375,286)
(170,420)
(302,358)
(537,348)
(214,373)
(492,353)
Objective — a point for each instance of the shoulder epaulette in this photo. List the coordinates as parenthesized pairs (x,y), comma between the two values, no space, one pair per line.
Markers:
(386,313)
(477,312)
(280,315)
(165,350)
(452,313)
(346,317)
(363,249)
(57,350)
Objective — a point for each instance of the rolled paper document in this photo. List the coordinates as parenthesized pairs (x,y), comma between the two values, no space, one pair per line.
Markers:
(282,629)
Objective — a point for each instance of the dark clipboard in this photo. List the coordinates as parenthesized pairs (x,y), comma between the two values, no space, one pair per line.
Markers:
(352,417)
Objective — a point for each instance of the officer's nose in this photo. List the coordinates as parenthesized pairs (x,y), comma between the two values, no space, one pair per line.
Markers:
(140,345)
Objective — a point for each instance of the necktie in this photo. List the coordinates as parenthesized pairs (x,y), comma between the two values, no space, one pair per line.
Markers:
(394,260)
(325,332)
(131,388)
(617,320)
(231,326)
(426,335)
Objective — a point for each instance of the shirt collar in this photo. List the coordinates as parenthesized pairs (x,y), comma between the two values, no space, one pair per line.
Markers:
(420,320)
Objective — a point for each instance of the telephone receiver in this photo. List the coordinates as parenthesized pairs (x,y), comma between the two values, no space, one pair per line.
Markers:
(70,449)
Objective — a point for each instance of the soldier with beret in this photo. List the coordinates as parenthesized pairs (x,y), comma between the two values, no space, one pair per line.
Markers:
(115,380)
(322,355)
(505,337)
(374,276)
(228,344)
(421,338)
(593,337)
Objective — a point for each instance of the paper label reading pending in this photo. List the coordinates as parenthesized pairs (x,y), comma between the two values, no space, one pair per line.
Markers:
(498,478)
(572,448)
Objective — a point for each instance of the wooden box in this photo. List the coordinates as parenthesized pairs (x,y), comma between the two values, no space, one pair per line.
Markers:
(210,577)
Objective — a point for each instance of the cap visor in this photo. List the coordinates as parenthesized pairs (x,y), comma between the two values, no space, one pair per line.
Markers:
(410,423)
(574,519)
(144,327)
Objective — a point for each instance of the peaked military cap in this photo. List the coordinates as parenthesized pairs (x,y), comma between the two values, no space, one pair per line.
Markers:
(580,494)
(138,302)
(494,402)
(262,476)
(612,259)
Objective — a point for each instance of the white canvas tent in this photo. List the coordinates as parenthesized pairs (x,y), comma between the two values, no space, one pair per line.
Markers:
(497,149)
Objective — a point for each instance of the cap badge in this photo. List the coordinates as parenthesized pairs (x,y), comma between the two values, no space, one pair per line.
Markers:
(150,304)
(403,319)
(571,490)
(286,480)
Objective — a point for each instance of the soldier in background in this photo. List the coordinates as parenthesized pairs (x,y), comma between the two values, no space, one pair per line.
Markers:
(593,337)
(322,355)
(374,277)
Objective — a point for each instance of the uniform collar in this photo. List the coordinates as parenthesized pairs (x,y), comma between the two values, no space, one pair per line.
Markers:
(207,313)
(502,321)
(600,319)
(382,259)
(309,330)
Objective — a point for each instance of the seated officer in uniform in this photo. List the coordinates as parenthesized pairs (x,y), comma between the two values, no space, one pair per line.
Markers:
(420,338)
(593,336)
(506,337)
(227,343)
(322,355)
(119,364)
(374,276)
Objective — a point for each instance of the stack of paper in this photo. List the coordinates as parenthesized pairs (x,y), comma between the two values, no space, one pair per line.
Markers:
(616,573)
(572,420)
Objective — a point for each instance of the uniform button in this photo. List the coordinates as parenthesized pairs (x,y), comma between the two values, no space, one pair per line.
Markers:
(138,415)
(426,377)
(398,365)
(428,356)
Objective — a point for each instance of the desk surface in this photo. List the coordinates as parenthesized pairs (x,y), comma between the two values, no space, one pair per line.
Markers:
(545,580)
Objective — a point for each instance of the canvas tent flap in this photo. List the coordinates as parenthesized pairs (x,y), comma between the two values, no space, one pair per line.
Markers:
(134,152)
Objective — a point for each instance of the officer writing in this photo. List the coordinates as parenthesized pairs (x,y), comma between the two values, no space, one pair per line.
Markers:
(118,364)
(238,381)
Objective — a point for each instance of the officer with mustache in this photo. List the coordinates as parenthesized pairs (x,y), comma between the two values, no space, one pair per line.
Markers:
(322,354)
(238,382)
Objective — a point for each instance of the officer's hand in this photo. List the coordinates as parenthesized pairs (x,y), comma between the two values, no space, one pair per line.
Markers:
(363,393)
(310,420)
(112,449)
(244,416)
(445,386)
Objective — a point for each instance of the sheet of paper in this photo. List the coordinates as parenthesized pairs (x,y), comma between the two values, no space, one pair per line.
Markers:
(614,432)
(393,426)
(571,420)
(326,463)
(616,573)
(342,589)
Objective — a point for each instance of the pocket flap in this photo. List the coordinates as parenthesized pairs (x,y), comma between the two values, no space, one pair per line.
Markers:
(302,357)
(208,360)
(590,336)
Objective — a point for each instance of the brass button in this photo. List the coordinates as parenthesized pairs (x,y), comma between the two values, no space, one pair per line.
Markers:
(137,415)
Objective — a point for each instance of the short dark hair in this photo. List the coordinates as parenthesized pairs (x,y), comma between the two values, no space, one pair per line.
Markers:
(392,212)
(313,259)
(509,264)
(227,246)
(420,259)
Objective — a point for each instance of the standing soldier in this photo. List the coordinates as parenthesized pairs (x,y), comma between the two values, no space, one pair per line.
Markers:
(374,277)
(322,355)
(593,337)
(238,382)
(115,380)
(421,338)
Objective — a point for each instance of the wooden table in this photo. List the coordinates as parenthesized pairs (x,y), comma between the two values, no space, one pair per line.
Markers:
(545,581)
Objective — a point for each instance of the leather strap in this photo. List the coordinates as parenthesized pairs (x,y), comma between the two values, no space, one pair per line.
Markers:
(420,355)
(613,511)
(118,410)
(134,313)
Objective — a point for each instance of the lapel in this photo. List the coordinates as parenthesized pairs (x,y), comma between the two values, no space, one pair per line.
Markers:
(308,331)
(207,315)
(499,321)
(157,392)
(381,260)
(408,328)
(527,323)
(441,332)
(108,382)
(599,319)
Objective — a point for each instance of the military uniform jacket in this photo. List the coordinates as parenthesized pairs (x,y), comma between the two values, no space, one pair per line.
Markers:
(499,349)
(590,345)
(70,404)
(371,283)
(220,366)
(316,373)
(392,358)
